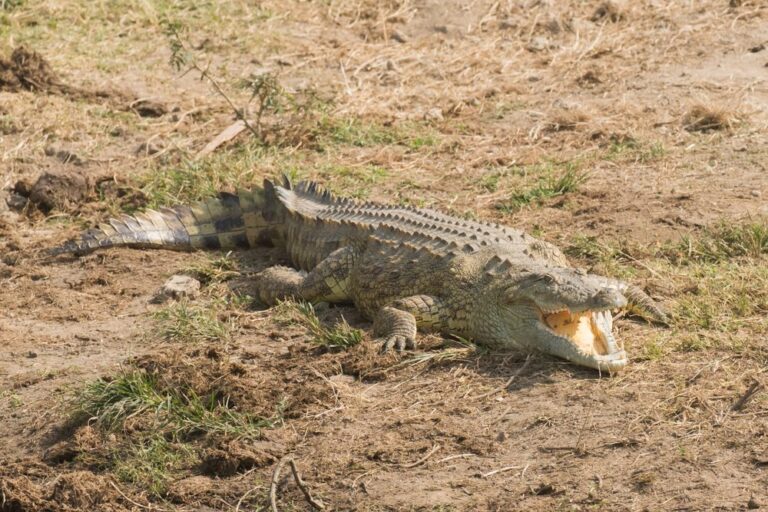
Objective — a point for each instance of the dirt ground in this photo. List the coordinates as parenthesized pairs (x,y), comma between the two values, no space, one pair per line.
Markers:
(634,135)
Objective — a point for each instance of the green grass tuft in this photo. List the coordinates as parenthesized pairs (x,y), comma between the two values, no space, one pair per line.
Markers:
(356,133)
(723,242)
(181,321)
(590,248)
(628,149)
(353,132)
(175,412)
(727,300)
(216,270)
(491,180)
(193,180)
(111,402)
(9,5)
(149,463)
(653,351)
(356,182)
(159,424)
(550,184)
(339,337)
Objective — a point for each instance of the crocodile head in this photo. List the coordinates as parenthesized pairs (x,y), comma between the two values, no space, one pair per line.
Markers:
(562,311)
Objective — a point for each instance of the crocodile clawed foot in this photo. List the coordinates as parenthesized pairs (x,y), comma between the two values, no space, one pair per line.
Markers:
(396,342)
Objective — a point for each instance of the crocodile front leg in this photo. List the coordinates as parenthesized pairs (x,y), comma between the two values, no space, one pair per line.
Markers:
(395,325)
(327,282)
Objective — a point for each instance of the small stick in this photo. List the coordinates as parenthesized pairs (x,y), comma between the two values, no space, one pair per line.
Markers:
(451,457)
(743,399)
(500,470)
(242,498)
(354,482)
(273,484)
(229,133)
(129,500)
(506,384)
(315,503)
(423,459)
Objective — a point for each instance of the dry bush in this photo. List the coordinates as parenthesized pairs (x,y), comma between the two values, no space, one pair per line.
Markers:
(708,117)
(608,11)
(567,120)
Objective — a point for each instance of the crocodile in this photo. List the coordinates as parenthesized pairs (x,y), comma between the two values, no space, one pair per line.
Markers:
(404,268)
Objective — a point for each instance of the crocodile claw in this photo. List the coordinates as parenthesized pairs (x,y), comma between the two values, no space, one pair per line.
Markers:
(397,342)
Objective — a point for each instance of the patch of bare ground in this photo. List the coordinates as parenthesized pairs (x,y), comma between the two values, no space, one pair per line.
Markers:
(631,134)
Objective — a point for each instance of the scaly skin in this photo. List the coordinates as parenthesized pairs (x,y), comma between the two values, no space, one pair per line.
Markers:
(404,268)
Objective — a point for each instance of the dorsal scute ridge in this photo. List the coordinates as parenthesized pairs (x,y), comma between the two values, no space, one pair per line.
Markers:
(420,224)
(313,190)
(434,244)
(498,265)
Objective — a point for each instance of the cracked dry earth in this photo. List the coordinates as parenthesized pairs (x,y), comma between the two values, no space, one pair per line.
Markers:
(491,96)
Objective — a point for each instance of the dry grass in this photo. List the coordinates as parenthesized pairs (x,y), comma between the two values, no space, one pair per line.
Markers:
(707,117)
(567,120)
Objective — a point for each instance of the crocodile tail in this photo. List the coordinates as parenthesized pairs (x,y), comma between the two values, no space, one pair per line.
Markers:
(225,222)
(640,303)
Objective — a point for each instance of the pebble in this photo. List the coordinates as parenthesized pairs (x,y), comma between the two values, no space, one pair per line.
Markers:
(148,148)
(179,287)
(433,114)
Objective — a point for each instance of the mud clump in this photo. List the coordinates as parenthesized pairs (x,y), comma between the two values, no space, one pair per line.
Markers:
(229,458)
(243,386)
(607,11)
(60,190)
(193,487)
(81,489)
(85,445)
(63,155)
(149,108)
(28,486)
(27,70)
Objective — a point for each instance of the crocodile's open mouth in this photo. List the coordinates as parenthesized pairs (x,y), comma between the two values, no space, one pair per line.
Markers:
(589,331)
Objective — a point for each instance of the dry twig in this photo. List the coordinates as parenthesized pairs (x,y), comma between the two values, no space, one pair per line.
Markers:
(452,457)
(506,384)
(229,133)
(749,393)
(242,498)
(315,503)
(274,482)
(500,470)
(129,500)
(423,459)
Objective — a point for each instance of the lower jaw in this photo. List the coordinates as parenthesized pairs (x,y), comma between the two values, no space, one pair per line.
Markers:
(612,363)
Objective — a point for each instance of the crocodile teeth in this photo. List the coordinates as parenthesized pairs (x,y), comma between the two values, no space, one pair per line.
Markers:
(603,323)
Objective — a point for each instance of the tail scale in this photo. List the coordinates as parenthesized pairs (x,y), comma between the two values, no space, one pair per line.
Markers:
(226,222)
